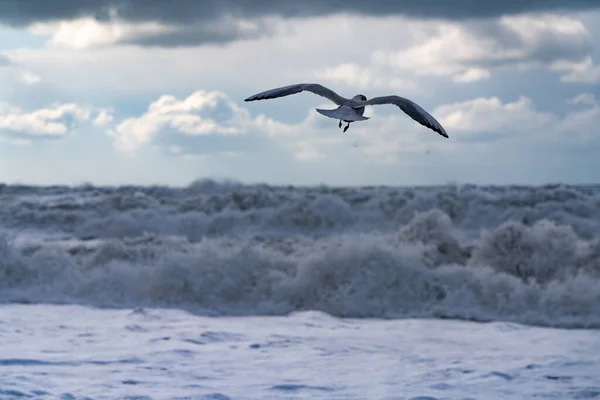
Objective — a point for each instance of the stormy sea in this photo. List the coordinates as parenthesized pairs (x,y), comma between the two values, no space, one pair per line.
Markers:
(221,290)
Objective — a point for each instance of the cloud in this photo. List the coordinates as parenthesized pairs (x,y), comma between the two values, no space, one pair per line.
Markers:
(584,71)
(468,52)
(472,75)
(587,99)
(311,46)
(489,121)
(29,78)
(176,122)
(312,51)
(17,125)
(88,32)
(25,76)
(185,11)
(580,125)
(190,126)
(361,77)
(179,22)
(482,119)
(209,122)
(103,118)
(185,127)
(476,127)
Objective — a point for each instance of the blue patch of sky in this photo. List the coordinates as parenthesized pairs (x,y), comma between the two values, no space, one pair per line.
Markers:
(13,38)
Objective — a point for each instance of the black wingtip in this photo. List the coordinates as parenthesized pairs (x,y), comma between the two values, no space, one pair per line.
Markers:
(256,98)
(443,133)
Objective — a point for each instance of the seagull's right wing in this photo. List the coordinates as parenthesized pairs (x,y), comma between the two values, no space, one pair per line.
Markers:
(300,87)
(411,108)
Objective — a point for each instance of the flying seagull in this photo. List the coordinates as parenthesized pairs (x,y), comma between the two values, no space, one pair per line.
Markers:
(351,110)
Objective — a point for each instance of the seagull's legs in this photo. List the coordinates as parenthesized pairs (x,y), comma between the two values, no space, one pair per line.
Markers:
(346,127)
(340,124)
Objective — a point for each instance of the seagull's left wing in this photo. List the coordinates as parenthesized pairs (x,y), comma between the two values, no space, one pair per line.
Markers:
(411,108)
(297,88)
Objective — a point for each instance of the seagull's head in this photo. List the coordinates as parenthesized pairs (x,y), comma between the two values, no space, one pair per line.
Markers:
(360,97)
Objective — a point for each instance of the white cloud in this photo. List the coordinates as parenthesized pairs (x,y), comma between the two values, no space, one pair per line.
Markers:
(201,113)
(302,47)
(14,69)
(29,78)
(361,77)
(472,75)
(578,72)
(382,139)
(206,113)
(487,120)
(103,118)
(395,138)
(467,52)
(52,121)
(480,123)
(329,49)
(391,138)
(88,32)
(491,115)
(581,124)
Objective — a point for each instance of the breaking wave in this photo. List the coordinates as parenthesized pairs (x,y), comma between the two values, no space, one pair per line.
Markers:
(513,253)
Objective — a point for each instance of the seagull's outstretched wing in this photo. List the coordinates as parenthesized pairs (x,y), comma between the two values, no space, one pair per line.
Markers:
(411,108)
(300,87)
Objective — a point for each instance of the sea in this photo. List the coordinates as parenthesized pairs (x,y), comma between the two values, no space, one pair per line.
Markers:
(222,290)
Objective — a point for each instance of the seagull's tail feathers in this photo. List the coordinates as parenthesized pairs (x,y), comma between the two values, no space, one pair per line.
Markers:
(343,113)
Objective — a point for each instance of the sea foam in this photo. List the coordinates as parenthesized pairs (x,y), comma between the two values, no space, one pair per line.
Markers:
(512,253)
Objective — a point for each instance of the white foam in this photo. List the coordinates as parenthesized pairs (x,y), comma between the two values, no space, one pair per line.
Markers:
(522,254)
(65,352)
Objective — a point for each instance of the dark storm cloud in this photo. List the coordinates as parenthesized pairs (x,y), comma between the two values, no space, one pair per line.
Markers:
(219,31)
(548,47)
(211,21)
(186,11)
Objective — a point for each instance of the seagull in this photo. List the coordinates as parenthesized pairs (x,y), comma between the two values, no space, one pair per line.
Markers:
(351,110)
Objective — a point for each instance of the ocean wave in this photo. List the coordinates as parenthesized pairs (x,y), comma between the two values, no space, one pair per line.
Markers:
(521,254)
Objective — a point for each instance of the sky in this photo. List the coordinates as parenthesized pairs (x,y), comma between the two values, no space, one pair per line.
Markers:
(152,92)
